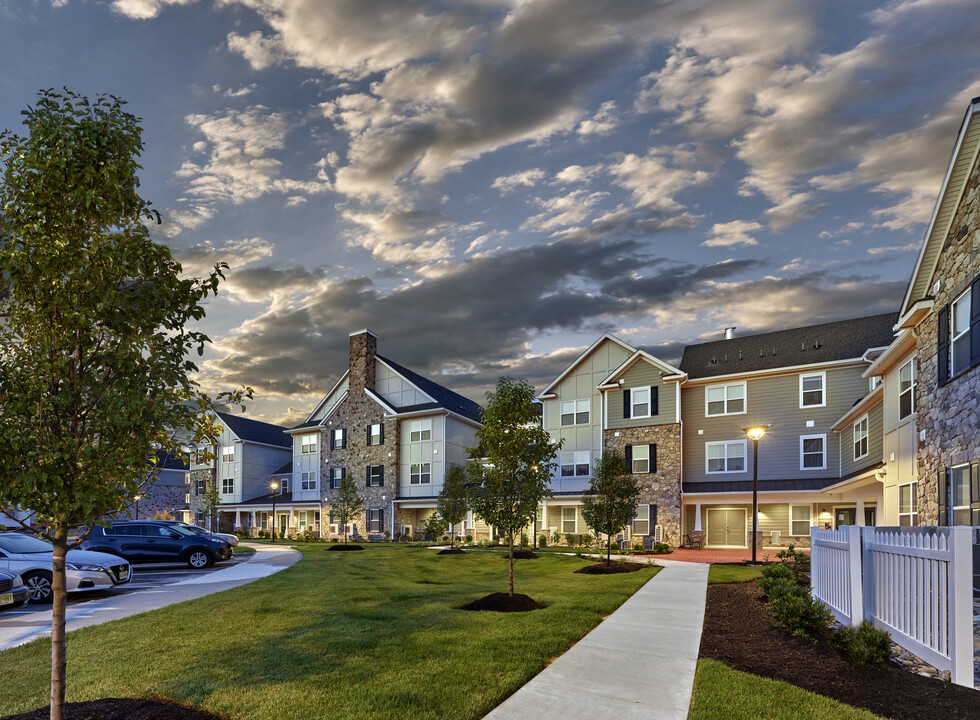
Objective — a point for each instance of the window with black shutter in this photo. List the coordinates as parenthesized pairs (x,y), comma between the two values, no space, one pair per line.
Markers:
(626,403)
(942,346)
(654,400)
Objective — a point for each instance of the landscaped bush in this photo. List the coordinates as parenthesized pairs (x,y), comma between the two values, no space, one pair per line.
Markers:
(614,546)
(495,541)
(801,613)
(638,547)
(469,538)
(570,539)
(524,540)
(555,538)
(798,562)
(306,536)
(661,548)
(543,540)
(863,645)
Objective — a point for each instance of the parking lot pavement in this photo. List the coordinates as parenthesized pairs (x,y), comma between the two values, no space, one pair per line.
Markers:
(152,587)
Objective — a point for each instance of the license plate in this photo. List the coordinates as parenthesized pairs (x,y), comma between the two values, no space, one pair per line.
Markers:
(7,599)
(124,573)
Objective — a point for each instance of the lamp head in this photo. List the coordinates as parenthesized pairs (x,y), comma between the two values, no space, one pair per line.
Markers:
(274,486)
(756,432)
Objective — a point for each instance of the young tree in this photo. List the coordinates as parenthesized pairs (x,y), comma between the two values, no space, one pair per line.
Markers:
(520,460)
(94,368)
(347,505)
(452,499)
(610,503)
(435,525)
(210,502)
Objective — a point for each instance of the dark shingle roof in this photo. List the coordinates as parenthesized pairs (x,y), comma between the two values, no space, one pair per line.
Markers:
(721,486)
(285,469)
(445,397)
(828,342)
(302,426)
(257,431)
(166,461)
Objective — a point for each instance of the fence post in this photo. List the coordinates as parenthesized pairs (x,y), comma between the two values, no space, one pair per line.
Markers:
(814,561)
(868,566)
(856,611)
(960,617)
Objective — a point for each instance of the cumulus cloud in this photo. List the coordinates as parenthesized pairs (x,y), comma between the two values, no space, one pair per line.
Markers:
(604,121)
(144,9)
(524,178)
(735,232)
(198,260)
(562,211)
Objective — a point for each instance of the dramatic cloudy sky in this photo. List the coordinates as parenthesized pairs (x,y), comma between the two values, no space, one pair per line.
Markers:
(490,184)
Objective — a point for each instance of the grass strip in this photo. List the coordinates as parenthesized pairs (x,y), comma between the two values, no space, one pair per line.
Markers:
(733,574)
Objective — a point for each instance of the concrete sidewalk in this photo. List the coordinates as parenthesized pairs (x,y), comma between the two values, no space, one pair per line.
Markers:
(268,559)
(637,663)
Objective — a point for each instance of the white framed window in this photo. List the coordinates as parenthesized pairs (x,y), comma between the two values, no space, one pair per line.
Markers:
(421,474)
(799,520)
(375,475)
(284,485)
(301,518)
(337,475)
(376,434)
(338,439)
(228,453)
(813,452)
(725,399)
(959,481)
(308,444)
(640,405)
(641,459)
(906,389)
(420,430)
(575,412)
(725,457)
(908,504)
(227,486)
(308,481)
(813,389)
(959,334)
(374,521)
(569,520)
(201,486)
(641,520)
(575,464)
(861,438)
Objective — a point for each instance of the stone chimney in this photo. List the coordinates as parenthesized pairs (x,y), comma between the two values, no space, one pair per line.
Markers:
(363,348)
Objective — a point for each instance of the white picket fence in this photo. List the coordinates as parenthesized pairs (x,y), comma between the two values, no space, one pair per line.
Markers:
(915,583)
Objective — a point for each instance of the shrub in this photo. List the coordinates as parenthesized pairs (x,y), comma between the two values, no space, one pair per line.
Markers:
(263,534)
(495,540)
(661,548)
(801,613)
(863,645)
(163,515)
(569,539)
(387,535)
(524,540)
(543,540)
(614,546)
(445,538)
(334,539)
(638,547)
(306,536)
(555,538)
(469,538)
(798,561)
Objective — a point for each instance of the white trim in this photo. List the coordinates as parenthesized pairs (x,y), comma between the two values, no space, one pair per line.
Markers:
(873,398)
(726,443)
(809,507)
(575,412)
(823,389)
(574,508)
(846,506)
(914,371)
(380,401)
(326,397)
(605,336)
(903,344)
(613,376)
(966,295)
(726,385)
(788,370)
(867,437)
(814,437)
(431,399)
(649,403)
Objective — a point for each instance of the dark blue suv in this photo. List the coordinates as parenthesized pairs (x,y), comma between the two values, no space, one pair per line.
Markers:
(148,541)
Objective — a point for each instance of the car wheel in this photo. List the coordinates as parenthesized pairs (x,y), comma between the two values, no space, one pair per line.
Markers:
(198,559)
(39,583)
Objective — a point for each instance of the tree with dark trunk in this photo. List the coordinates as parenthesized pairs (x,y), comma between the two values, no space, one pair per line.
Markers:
(452,499)
(347,506)
(610,503)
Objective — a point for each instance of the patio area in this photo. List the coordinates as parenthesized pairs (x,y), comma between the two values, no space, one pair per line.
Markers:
(723,555)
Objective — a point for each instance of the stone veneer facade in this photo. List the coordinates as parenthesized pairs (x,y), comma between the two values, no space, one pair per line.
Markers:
(948,414)
(162,498)
(355,414)
(195,503)
(663,487)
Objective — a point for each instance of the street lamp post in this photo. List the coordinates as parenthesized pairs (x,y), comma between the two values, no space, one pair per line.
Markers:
(138,506)
(755,433)
(274,486)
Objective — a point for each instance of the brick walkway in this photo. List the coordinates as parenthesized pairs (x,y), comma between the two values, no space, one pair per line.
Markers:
(716,555)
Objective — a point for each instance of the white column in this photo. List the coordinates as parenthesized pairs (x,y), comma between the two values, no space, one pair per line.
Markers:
(697,517)
(251,527)
(859,513)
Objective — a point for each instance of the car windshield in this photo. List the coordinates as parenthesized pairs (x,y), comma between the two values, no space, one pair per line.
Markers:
(17,543)
(194,529)
(180,529)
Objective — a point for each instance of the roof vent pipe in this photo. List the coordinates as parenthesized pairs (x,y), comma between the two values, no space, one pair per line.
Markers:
(730,333)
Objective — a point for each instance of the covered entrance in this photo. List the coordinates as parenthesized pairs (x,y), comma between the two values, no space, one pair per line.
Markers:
(726,528)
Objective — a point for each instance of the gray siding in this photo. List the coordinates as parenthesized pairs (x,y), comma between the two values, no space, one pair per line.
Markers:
(643,374)
(771,400)
(848,464)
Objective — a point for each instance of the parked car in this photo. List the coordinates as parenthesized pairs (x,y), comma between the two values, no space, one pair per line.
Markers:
(197,530)
(13,592)
(30,558)
(157,541)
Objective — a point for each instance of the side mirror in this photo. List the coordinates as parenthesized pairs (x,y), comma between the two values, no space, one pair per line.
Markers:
(174,536)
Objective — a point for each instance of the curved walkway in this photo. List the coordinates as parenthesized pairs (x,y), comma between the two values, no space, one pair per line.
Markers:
(637,663)
(268,559)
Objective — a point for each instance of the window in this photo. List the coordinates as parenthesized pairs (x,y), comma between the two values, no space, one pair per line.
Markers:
(725,457)
(569,520)
(640,402)
(375,475)
(812,388)
(960,487)
(228,453)
(421,474)
(642,458)
(227,486)
(861,438)
(812,452)
(284,485)
(906,389)
(201,486)
(332,517)
(420,430)
(337,474)
(908,504)
(641,520)
(308,444)
(575,412)
(575,464)
(308,481)
(725,399)
(959,333)
(375,521)
(338,439)
(376,434)
(799,520)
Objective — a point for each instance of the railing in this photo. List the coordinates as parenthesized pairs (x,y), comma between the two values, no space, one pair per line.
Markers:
(916,583)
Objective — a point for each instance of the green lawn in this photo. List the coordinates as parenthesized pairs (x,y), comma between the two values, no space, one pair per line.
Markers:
(732,573)
(721,693)
(370,633)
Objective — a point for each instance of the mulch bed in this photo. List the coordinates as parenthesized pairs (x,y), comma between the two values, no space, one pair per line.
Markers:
(452,551)
(740,632)
(502,602)
(612,568)
(345,547)
(522,555)
(121,709)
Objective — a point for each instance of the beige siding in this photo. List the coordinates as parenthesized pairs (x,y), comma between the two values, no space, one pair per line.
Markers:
(848,464)
(395,390)
(331,402)
(643,374)
(423,451)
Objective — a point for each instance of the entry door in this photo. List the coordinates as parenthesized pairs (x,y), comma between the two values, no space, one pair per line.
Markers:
(870,517)
(845,516)
(726,527)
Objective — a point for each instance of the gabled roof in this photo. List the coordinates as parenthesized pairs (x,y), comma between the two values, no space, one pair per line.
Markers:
(166,461)
(286,469)
(958,171)
(815,344)
(633,359)
(256,431)
(605,336)
(446,398)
